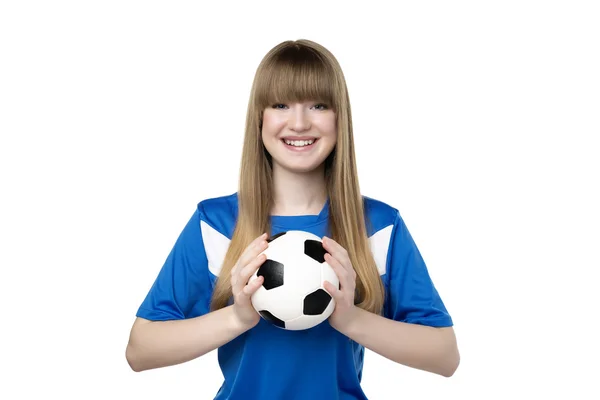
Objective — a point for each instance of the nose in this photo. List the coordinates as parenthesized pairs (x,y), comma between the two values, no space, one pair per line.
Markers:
(299,120)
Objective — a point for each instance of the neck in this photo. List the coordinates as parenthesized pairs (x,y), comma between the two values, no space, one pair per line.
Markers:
(298,193)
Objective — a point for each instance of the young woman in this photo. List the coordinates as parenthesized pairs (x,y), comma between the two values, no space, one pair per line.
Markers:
(298,172)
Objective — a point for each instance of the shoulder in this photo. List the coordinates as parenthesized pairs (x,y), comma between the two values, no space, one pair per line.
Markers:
(226,204)
(219,214)
(380,215)
(381,219)
(217,223)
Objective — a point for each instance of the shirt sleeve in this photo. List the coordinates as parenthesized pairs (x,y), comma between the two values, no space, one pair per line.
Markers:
(183,287)
(412,296)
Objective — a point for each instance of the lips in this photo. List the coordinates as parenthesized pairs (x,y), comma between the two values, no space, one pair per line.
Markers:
(299,138)
(299,144)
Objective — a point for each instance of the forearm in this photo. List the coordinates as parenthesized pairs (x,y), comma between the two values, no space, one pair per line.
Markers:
(155,344)
(417,346)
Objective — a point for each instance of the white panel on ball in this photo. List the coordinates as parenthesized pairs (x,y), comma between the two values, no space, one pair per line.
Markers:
(305,321)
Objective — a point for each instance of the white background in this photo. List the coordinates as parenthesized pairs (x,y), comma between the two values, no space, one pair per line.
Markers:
(478,120)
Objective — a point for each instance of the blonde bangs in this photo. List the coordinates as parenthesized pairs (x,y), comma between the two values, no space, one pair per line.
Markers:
(296,74)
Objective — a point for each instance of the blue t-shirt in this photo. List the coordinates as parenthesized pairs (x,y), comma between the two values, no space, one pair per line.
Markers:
(267,362)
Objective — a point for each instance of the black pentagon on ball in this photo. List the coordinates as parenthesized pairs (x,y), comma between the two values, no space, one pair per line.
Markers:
(316,302)
(314,249)
(272,271)
(272,319)
(269,240)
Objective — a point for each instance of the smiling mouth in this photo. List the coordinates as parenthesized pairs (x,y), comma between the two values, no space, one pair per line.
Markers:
(299,143)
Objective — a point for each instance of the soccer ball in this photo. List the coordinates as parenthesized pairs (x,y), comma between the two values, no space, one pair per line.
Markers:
(292,295)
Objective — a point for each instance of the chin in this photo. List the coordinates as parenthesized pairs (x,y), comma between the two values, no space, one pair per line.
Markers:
(301,169)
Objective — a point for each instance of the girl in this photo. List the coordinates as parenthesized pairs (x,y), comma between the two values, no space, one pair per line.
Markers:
(298,172)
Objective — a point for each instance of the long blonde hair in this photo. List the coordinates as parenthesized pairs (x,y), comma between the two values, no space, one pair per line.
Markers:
(294,71)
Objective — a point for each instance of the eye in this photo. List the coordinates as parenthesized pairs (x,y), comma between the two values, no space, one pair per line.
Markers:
(281,106)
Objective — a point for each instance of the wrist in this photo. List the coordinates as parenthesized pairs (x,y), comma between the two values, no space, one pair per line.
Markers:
(237,324)
(350,322)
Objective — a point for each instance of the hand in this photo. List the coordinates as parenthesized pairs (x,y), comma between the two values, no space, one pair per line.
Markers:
(242,291)
(337,258)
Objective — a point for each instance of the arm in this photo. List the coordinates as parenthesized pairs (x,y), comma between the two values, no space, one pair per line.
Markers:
(173,319)
(155,344)
(415,329)
(174,324)
(423,347)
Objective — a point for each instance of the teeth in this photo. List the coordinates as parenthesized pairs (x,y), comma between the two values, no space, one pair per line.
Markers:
(299,143)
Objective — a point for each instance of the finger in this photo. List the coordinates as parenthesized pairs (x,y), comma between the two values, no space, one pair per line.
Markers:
(253,286)
(255,243)
(243,297)
(234,269)
(251,268)
(247,259)
(260,238)
(251,251)
(254,249)
(332,290)
(336,250)
(338,268)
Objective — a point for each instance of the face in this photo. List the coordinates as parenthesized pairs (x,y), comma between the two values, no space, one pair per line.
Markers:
(299,136)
